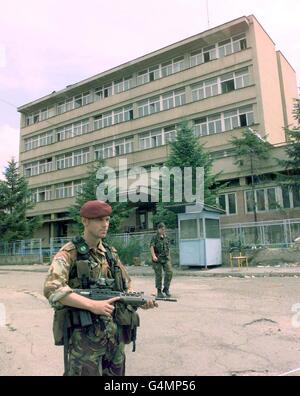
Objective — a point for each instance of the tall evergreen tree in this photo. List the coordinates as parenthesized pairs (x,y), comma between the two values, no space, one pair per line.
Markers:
(292,164)
(14,202)
(186,151)
(88,193)
(250,150)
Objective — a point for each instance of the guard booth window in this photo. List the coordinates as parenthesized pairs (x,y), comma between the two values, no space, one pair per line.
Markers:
(212,228)
(189,229)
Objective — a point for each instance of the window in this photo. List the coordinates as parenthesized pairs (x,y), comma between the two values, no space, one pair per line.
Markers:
(86,98)
(209,53)
(166,69)
(78,101)
(189,229)
(41,194)
(214,124)
(178,64)
(149,106)
(246,116)
(228,203)
(154,73)
(296,196)
(196,58)
(242,78)
(260,198)
(151,139)
(169,134)
(286,199)
(143,77)
(36,118)
(211,87)
(201,127)
(198,92)
(107,90)
(70,105)
(239,43)
(271,198)
(107,120)
(61,108)
(99,93)
(225,48)
(118,116)
(265,199)
(75,158)
(227,83)
(44,114)
(212,228)
(124,146)
(231,120)
(249,201)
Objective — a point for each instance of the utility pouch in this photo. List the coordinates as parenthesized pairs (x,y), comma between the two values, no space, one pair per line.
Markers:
(128,320)
(60,316)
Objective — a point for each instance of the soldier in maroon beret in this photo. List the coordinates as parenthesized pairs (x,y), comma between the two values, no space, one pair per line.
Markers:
(98,350)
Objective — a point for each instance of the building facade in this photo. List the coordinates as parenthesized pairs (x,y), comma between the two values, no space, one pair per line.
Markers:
(219,81)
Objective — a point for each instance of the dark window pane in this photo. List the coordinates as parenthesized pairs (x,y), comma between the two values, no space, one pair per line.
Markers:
(227,86)
(286,197)
(243,120)
(296,196)
(232,203)
(260,195)
(212,228)
(222,202)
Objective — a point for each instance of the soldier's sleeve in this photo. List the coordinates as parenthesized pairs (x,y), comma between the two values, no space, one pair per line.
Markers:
(153,240)
(56,284)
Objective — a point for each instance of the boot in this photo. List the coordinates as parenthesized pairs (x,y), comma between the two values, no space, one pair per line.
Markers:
(166,291)
(160,294)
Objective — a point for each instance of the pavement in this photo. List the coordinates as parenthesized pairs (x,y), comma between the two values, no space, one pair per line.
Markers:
(219,326)
(281,270)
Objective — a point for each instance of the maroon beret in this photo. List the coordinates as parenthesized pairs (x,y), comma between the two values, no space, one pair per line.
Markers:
(95,209)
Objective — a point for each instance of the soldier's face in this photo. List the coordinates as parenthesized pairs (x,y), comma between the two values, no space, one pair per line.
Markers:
(162,231)
(98,227)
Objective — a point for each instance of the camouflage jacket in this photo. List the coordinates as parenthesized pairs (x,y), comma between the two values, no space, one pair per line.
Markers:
(161,245)
(58,283)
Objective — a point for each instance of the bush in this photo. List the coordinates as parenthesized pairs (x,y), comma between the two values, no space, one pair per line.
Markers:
(127,252)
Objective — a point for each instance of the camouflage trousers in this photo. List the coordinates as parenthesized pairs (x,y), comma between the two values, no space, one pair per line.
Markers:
(160,266)
(96,352)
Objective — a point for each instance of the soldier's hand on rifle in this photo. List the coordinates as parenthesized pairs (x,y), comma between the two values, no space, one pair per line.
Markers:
(104,307)
(150,304)
(154,258)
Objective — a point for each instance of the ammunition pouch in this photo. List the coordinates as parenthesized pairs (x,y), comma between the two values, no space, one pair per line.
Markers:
(127,320)
(60,317)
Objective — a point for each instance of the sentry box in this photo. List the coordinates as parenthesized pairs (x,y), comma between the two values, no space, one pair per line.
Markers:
(199,235)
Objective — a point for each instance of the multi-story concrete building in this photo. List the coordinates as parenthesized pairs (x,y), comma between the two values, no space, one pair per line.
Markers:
(220,81)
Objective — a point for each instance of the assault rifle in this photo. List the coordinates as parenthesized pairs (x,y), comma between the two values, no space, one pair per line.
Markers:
(102,290)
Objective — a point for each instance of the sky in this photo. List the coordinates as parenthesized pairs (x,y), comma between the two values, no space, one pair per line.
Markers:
(49,44)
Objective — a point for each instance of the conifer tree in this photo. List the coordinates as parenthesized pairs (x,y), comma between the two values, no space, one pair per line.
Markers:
(186,151)
(15,200)
(120,210)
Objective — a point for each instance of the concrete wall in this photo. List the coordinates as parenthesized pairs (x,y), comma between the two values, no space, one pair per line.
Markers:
(288,85)
(267,75)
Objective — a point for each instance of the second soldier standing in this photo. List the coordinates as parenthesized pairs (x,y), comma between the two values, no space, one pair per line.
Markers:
(160,251)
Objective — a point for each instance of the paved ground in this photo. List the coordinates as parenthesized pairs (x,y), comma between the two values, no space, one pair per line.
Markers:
(220,325)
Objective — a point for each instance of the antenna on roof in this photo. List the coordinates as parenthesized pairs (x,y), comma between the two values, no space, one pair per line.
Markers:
(207,10)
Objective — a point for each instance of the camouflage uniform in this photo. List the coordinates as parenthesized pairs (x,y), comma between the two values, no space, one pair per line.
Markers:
(96,351)
(161,247)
